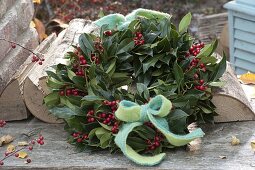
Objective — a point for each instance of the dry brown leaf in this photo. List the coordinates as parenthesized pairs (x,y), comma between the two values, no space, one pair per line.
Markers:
(247,78)
(253,145)
(235,141)
(37,1)
(23,143)
(10,148)
(223,157)
(39,26)
(22,154)
(6,139)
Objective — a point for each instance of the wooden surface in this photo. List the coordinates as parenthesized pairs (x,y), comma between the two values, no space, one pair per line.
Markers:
(58,154)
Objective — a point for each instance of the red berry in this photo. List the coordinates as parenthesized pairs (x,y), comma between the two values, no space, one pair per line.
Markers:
(6,153)
(79,140)
(201,81)
(92,119)
(62,93)
(157,144)
(32,142)
(103,115)
(41,137)
(30,148)
(202,88)
(16,155)
(195,76)
(28,160)
(40,63)
(13,45)
(104,122)
(152,147)
(38,141)
(202,65)
(41,142)
(81,57)
(204,69)
(140,36)
(1,163)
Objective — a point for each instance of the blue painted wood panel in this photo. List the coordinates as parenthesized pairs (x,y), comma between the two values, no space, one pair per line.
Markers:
(244,36)
(241,17)
(244,55)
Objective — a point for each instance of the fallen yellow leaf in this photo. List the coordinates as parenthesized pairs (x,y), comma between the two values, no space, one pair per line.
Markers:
(22,154)
(235,141)
(247,78)
(6,139)
(253,145)
(37,1)
(32,24)
(10,148)
(23,143)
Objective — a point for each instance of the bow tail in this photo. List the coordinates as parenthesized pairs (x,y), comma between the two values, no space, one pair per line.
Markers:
(174,139)
(121,142)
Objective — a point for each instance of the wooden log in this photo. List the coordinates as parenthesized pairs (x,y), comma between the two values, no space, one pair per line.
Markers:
(35,82)
(12,106)
(230,101)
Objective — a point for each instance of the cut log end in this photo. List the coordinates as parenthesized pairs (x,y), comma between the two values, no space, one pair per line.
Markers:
(34,102)
(12,106)
(231,109)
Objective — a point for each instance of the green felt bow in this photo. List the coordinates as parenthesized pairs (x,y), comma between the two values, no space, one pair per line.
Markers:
(121,22)
(135,115)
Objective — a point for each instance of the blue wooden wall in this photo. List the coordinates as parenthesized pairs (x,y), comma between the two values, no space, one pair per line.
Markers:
(241,18)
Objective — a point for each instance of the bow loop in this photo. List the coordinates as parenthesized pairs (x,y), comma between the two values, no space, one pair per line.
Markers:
(159,106)
(128,111)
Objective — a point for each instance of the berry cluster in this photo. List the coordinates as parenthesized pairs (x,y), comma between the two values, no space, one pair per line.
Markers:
(40,140)
(195,49)
(108,33)
(112,104)
(16,152)
(79,137)
(69,92)
(90,116)
(37,59)
(82,60)
(156,141)
(105,118)
(79,72)
(95,59)
(2,123)
(139,40)
(98,45)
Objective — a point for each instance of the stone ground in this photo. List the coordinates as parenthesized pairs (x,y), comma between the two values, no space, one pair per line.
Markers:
(205,154)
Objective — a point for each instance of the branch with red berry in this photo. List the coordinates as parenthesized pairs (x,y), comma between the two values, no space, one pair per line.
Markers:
(37,57)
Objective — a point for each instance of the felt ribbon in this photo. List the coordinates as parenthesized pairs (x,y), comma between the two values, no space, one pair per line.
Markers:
(135,115)
(121,22)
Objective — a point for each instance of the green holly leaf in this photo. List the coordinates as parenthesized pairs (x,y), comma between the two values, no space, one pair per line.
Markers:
(185,22)
(179,75)
(63,112)
(51,99)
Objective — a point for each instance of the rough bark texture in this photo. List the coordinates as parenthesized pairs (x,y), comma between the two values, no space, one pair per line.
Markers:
(11,100)
(35,82)
(57,154)
(230,101)
(15,17)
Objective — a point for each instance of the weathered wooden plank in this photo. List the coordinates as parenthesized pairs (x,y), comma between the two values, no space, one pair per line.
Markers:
(57,154)
(244,25)
(244,36)
(245,64)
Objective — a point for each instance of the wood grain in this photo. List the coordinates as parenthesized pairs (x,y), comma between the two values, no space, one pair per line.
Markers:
(57,154)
